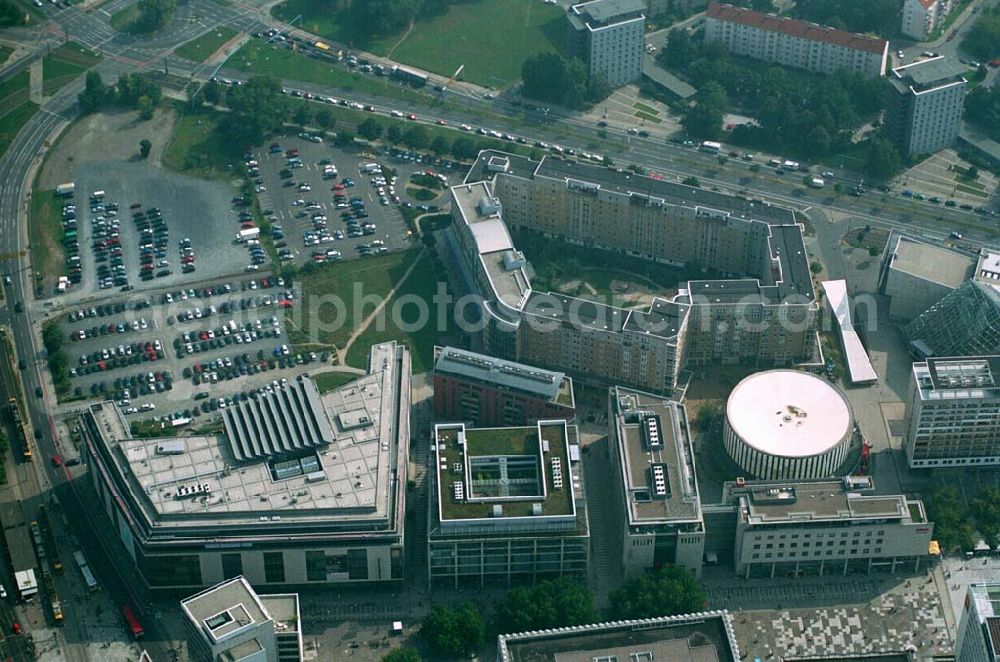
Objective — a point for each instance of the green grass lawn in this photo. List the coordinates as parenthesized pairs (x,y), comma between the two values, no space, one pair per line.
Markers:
(199,49)
(260,58)
(327,381)
(368,277)
(198,147)
(66,63)
(45,233)
(638,105)
(492,38)
(15,109)
(123,18)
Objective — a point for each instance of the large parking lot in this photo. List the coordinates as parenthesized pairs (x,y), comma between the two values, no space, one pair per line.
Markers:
(301,189)
(188,208)
(179,350)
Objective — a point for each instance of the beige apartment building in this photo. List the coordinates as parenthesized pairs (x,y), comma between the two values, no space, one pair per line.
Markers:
(758,307)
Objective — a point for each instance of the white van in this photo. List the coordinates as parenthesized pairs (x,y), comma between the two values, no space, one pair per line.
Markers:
(97,195)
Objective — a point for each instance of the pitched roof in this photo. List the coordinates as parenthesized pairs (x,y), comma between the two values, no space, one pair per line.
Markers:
(795,28)
(927,4)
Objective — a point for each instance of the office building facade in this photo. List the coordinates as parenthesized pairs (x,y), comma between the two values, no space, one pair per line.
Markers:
(652,460)
(953,412)
(825,527)
(608,35)
(793,43)
(508,505)
(492,392)
(965,322)
(302,489)
(978,638)
(924,105)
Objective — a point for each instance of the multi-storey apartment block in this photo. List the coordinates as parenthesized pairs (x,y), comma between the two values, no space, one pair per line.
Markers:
(301,489)
(921,17)
(924,105)
(793,43)
(491,392)
(508,504)
(953,412)
(608,36)
(654,475)
(825,527)
(761,310)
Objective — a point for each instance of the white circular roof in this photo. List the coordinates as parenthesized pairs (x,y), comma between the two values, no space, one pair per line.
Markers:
(788,413)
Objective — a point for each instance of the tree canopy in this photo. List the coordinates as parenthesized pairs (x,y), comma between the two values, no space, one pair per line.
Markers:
(552,78)
(452,631)
(983,39)
(952,526)
(795,111)
(878,16)
(550,604)
(665,591)
(258,109)
(982,108)
(10,14)
(402,655)
(884,161)
(154,14)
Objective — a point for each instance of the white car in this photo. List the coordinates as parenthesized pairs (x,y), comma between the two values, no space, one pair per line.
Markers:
(298,203)
(149,406)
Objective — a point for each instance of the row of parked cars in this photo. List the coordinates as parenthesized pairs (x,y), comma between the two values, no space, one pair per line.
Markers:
(112,358)
(105,230)
(125,326)
(194,342)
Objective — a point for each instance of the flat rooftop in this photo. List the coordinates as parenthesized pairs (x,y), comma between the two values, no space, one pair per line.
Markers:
(663,318)
(988,269)
(536,382)
(928,73)
(948,378)
(224,609)
(180,482)
(859,366)
(658,468)
(503,265)
(704,637)
(932,263)
(820,501)
(500,473)
(603,12)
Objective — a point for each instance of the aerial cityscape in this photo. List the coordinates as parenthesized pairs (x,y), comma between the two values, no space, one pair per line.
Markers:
(514,330)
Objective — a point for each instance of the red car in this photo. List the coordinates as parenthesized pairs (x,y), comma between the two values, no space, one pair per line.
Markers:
(15,628)
(57,460)
(292,153)
(411,116)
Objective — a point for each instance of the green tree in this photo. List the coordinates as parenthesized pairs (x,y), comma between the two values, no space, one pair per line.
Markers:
(258,109)
(325,119)
(550,77)
(952,526)
(303,115)
(11,14)
(146,107)
(440,145)
(464,148)
(704,119)
(394,134)
(416,137)
(691,180)
(154,14)
(666,591)
(454,631)
(880,16)
(344,138)
(883,160)
(679,50)
(402,655)
(131,88)
(95,93)
(982,108)
(986,510)
(212,92)
(983,40)
(707,416)
(371,129)
(815,266)
(557,603)
(144,147)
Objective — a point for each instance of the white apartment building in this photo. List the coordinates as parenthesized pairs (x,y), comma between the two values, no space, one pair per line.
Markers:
(230,621)
(921,17)
(654,474)
(978,637)
(794,43)
(924,105)
(953,412)
(825,527)
(608,36)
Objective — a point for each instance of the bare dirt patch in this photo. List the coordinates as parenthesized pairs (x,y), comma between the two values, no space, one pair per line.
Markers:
(104,137)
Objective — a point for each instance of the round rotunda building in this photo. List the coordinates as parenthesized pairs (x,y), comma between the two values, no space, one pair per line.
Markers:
(787,424)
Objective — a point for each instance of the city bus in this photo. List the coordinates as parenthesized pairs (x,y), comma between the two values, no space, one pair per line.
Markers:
(132,622)
(88,576)
(711,147)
